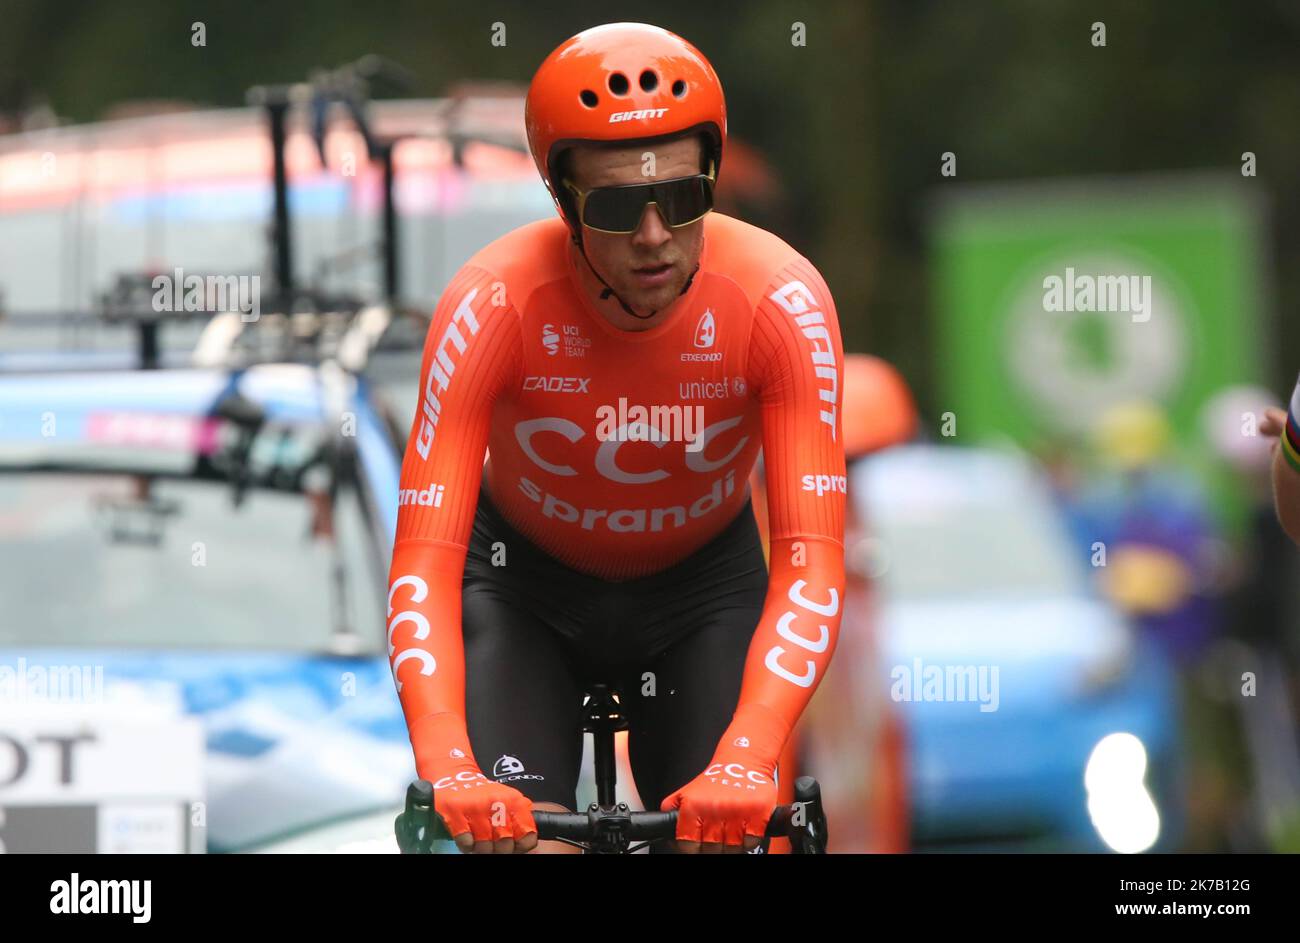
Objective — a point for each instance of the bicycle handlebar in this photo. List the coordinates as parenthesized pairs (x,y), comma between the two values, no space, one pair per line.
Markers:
(637,826)
(612,829)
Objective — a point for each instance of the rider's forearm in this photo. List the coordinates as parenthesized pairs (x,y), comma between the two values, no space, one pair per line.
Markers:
(471,354)
(1286,471)
(792,645)
(796,358)
(426,647)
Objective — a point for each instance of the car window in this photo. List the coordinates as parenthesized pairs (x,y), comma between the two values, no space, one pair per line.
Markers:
(84,561)
(973,551)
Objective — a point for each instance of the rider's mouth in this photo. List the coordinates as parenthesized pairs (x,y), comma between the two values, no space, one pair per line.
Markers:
(652,275)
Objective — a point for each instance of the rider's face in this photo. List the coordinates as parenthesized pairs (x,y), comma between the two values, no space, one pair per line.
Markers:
(649,267)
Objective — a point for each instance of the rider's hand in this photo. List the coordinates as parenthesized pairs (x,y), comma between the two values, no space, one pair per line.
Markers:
(1273,423)
(484,817)
(724,809)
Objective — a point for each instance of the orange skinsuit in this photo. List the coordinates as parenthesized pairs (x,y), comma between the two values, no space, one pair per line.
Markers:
(519,362)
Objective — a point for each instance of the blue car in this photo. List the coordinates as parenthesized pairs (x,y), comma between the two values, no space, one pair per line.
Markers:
(1036,718)
(192,566)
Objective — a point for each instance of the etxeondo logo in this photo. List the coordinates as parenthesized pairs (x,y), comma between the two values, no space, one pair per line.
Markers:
(102,897)
(510,769)
(706,330)
(706,335)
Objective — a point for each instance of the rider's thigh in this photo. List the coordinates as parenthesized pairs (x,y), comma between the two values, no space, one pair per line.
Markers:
(522,699)
(675,725)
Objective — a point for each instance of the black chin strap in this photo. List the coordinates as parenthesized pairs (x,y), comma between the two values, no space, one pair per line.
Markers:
(609,290)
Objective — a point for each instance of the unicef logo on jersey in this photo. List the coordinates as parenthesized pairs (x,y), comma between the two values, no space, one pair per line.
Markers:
(550,339)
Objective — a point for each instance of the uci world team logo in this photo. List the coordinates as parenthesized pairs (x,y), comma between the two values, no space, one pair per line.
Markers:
(566,337)
(706,331)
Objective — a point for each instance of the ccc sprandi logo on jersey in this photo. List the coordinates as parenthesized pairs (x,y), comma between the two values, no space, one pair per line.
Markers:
(418,591)
(441,369)
(530,430)
(535,437)
(797,300)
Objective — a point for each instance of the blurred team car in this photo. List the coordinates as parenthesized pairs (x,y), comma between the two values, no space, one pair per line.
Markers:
(192,568)
(1035,717)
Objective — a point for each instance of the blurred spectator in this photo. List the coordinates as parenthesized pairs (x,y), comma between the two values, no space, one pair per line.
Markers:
(1153,520)
(1060,461)
(1257,596)
(1254,669)
(1286,463)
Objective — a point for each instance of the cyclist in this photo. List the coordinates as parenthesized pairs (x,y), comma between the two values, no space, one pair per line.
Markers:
(1286,463)
(621,366)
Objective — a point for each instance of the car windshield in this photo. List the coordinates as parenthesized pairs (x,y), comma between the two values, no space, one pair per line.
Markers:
(973,552)
(123,560)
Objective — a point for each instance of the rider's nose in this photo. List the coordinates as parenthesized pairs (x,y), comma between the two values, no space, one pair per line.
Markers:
(652,231)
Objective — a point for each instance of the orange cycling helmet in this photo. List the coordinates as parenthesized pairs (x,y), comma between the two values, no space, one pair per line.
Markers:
(624,82)
(878,407)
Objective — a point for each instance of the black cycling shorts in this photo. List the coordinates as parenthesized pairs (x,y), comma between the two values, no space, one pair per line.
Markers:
(537,633)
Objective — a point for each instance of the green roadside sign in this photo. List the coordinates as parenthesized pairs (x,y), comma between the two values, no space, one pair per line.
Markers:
(1058,300)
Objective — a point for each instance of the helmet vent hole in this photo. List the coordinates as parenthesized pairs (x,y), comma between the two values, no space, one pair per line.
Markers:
(649,81)
(618,84)
(679,89)
(589,98)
